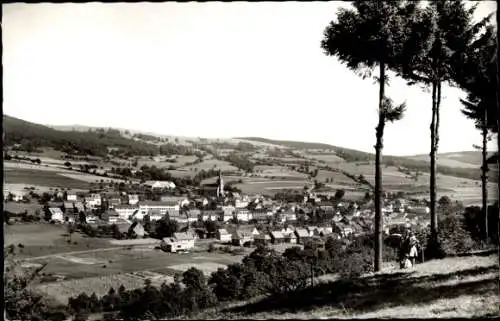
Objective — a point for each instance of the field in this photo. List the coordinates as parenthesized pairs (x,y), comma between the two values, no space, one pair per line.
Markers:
(46,239)
(277,171)
(326,158)
(100,270)
(41,178)
(212,164)
(180,161)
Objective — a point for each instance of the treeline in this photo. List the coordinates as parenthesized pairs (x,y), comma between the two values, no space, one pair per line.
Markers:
(95,143)
(32,136)
(240,162)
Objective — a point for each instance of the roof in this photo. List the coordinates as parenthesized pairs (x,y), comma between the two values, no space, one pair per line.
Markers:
(222,231)
(183,236)
(156,203)
(277,234)
(301,232)
(126,206)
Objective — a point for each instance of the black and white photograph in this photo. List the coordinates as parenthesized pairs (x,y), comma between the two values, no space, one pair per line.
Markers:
(250,160)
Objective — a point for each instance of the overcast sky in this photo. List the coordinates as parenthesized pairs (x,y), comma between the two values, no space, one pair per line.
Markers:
(208,70)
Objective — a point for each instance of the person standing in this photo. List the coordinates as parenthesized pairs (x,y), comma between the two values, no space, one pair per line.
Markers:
(413,248)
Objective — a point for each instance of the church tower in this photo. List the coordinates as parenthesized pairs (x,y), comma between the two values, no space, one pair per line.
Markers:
(220,187)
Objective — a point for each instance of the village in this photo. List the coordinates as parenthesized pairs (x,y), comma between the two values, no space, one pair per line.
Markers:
(238,220)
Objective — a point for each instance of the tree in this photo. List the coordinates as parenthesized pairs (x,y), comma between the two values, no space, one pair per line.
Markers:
(435,46)
(476,74)
(339,194)
(373,35)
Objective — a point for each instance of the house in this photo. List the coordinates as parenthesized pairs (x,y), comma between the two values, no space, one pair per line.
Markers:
(228,209)
(243,215)
(93,200)
(114,201)
(110,216)
(223,236)
(238,203)
(91,219)
(343,229)
(290,238)
(79,207)
(242,237)
(133,199)
(126,211)
(311,230)
(159,184)
(137,230)
(171,207)
(211,215)
(71,197)
(56,213)
(324,231)
(288,216)
(69,208)
(262,239)
(287,230)
(225,217)
(302,235)
(179,242)
(155,214)
(181,201)
(277,237)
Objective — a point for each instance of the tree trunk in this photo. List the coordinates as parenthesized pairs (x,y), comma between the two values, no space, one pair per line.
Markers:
(378,173)
(498,140)
(433,167)
(484,173)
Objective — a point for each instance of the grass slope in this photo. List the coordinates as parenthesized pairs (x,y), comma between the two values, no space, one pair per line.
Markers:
(452,287)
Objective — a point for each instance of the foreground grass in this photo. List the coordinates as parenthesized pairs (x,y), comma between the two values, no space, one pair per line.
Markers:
(452,287)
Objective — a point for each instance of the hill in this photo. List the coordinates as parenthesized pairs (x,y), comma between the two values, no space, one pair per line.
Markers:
(412,163)
(31,136)
(450,288)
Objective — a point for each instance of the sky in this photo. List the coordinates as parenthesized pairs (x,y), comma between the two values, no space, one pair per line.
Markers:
(214,70)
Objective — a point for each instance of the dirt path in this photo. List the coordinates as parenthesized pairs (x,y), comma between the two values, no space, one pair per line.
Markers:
(55,255)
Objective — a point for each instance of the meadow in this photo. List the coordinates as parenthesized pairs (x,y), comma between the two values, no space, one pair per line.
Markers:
(211,164)
(42,178)
(98,271)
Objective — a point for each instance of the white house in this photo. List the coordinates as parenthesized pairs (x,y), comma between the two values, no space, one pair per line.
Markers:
(223,236)
(71,197)
(243,215)
(240,203)
(57,214)
(210,215)
(133,199)
(162,207)
(160,184)
(179,242)
(126,211)
(182,201)
(93,200)
(228,209)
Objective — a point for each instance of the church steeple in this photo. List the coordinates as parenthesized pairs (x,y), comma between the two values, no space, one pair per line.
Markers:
(220,188)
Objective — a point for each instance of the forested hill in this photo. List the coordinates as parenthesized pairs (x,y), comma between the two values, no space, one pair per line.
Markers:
(33,136)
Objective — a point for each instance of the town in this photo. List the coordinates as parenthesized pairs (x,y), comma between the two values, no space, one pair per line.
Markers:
(243,220)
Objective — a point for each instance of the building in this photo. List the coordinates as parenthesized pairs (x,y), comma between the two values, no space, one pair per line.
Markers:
(69,208)
(302,235)
(126,211)
(133,199)
(214,189)
(110,217)
(210,215)
(178,243)
(56,214)
(159,184)
(240,203)
(223,236)
(242,237)
(262,239)
(93,200)
(71,197)
(243,215)
(277,237)
(79,207)
(290,238)
(181,201)
(172,208)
